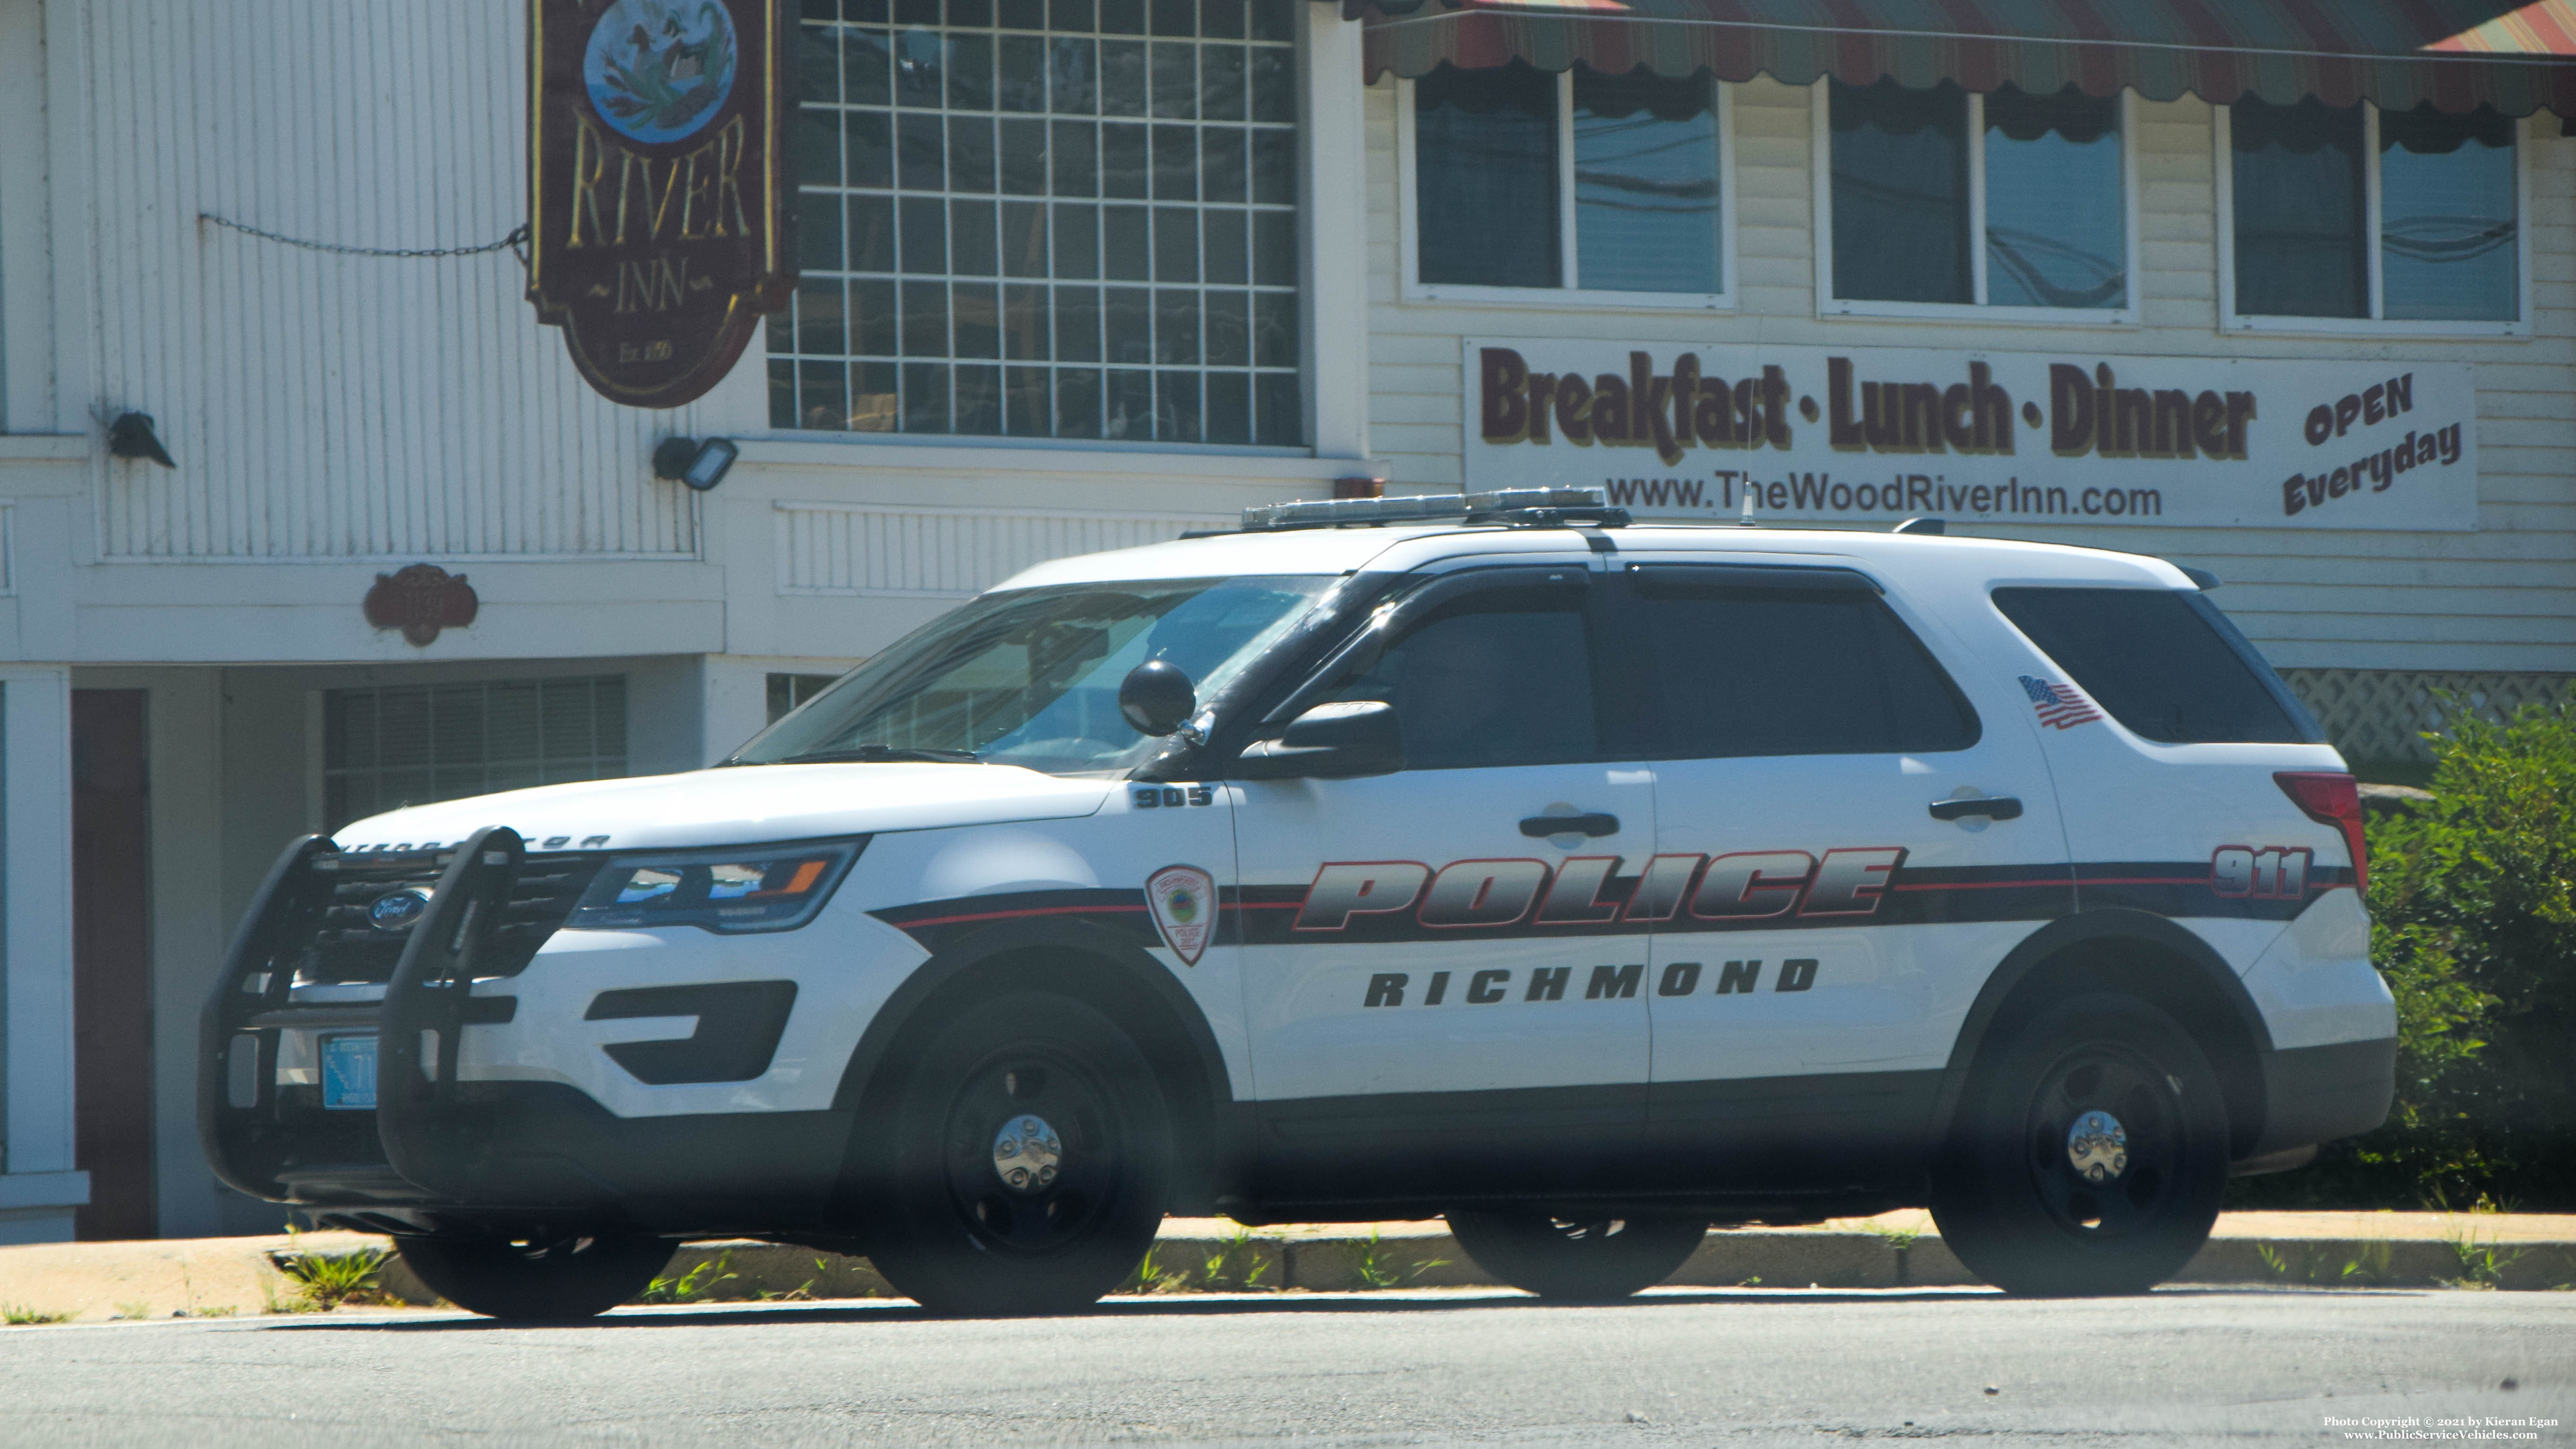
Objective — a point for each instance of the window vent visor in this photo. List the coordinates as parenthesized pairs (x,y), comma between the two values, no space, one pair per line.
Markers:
(1657,579)
(2330,798)
(729,891)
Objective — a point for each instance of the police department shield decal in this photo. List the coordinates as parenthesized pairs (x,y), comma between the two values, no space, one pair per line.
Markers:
(1183,899)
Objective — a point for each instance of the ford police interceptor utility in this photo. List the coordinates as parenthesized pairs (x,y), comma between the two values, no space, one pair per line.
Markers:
(1489,856)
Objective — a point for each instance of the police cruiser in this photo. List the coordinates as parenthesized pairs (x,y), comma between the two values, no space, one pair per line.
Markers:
(1490,856)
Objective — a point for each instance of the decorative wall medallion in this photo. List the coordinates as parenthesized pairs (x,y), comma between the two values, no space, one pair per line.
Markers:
(420,601)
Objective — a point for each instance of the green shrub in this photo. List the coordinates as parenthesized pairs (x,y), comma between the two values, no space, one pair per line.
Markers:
(324,1281)
(2473,925)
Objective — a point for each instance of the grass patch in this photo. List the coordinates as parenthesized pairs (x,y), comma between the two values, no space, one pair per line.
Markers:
(1152,1275)
(695,1285)
(1237,1266)
(324,1281)
(2315,1264)
(1375,1262)
(20,1313)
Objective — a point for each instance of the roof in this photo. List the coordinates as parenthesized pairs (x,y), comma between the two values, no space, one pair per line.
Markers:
(2455,55)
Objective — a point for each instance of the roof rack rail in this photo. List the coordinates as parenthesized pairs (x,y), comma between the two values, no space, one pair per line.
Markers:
(1512,507)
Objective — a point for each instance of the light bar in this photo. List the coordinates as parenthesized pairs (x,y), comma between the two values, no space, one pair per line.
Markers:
(1514,504)
(1512,500)
(1333,512)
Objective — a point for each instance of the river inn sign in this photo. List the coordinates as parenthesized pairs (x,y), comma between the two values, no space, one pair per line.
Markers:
(659,208)
(1860,435)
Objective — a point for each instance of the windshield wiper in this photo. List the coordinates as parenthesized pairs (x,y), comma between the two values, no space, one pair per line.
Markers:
(875,754)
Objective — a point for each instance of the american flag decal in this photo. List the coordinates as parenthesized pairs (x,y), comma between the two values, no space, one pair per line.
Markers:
(2058,704)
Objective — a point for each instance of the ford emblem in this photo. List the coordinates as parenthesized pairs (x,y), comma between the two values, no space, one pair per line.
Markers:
(395,911)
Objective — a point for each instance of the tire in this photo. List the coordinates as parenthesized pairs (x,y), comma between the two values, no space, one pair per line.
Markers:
(951,1229)
(2012,1198)
(540,1280)
(1589,1259)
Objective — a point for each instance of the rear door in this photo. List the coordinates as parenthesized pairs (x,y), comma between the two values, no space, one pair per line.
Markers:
(1850,833)
(1419,968)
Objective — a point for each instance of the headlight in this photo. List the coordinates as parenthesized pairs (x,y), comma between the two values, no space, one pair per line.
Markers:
(738,888)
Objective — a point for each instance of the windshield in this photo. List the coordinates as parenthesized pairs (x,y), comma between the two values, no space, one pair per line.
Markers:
(1031,677)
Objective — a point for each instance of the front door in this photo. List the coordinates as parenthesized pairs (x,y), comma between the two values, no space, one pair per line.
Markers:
(1437,997)
(112,964)
(1851,834)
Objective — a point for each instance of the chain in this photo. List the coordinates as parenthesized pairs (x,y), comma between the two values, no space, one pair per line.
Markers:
(515,241)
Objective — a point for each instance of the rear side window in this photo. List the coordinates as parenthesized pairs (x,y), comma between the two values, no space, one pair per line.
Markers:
(1734,671)
(2165,663)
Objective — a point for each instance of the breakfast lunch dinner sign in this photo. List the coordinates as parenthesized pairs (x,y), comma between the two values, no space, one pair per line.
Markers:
(659,210)
(1856,435)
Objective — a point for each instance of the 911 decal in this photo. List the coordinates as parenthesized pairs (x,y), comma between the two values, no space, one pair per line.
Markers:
(2265,873)
(1607,983)
(1492,893)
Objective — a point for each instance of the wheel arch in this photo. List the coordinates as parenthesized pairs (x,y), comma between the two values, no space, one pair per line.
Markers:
(1092,964)
(2145,955)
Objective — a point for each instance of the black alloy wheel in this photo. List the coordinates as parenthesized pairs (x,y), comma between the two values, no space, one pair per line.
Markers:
(555,1279)
(1026,1163)
(2092,1153)
(1582,1259)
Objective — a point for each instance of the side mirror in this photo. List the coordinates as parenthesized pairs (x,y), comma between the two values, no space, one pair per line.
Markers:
(1157,698)
(1329,742)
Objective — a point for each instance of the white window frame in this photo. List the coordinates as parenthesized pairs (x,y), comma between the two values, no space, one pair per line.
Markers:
(1567,293)
(1980,310)
(2230,320)
(1332,278)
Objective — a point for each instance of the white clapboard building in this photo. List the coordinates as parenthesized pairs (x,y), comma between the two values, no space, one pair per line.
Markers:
(2283,295)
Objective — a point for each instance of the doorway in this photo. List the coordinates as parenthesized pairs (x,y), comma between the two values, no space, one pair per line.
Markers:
(112,963)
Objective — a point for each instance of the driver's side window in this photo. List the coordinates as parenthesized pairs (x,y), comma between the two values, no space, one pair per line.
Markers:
(1501,676)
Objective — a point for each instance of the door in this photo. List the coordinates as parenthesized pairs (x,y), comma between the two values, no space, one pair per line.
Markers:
(1849,836)
(112,964)
(1439,995)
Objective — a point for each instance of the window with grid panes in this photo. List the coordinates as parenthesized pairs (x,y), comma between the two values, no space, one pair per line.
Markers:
(1046,218)
(383,749)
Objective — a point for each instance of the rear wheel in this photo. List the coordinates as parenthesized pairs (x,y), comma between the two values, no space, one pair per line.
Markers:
(1585,1258)
(526,1280)
(1027,1161)
(2091,1155)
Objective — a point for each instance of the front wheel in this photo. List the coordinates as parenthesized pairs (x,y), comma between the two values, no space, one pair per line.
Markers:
(535,1280)
(1026,1162)
(1589,1258)
(2091,1155)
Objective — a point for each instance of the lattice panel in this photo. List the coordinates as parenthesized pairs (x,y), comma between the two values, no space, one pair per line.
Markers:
(2382,714)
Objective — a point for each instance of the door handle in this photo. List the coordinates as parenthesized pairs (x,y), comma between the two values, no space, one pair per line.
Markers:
(1998,807)
(1540,827)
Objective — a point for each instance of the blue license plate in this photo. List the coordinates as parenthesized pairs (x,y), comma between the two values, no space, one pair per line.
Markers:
(349,1073)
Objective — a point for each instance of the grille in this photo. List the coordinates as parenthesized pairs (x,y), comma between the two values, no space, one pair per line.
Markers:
(346,949)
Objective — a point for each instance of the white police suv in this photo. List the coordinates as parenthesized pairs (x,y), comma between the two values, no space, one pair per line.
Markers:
(1488,856)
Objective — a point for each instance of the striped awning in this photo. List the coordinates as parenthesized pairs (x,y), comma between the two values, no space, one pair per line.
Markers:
(2457,54)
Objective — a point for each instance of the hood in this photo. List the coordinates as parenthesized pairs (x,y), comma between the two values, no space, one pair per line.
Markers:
(739,805)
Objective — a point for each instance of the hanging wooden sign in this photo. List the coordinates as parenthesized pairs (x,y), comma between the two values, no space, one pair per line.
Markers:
(659,204)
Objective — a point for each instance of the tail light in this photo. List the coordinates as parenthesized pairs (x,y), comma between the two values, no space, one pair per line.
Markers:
(2331,799)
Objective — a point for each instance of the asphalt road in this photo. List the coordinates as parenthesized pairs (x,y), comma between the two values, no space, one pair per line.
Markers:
(1673,1367)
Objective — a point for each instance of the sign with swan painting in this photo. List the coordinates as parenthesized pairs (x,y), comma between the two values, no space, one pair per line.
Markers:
(659,210)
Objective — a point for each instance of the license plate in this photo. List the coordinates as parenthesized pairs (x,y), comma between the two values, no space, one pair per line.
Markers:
(349,1073)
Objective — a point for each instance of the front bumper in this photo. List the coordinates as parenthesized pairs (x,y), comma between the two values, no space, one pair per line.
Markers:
(441,1142)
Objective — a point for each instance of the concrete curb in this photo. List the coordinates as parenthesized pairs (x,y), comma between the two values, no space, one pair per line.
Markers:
(221,1276)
